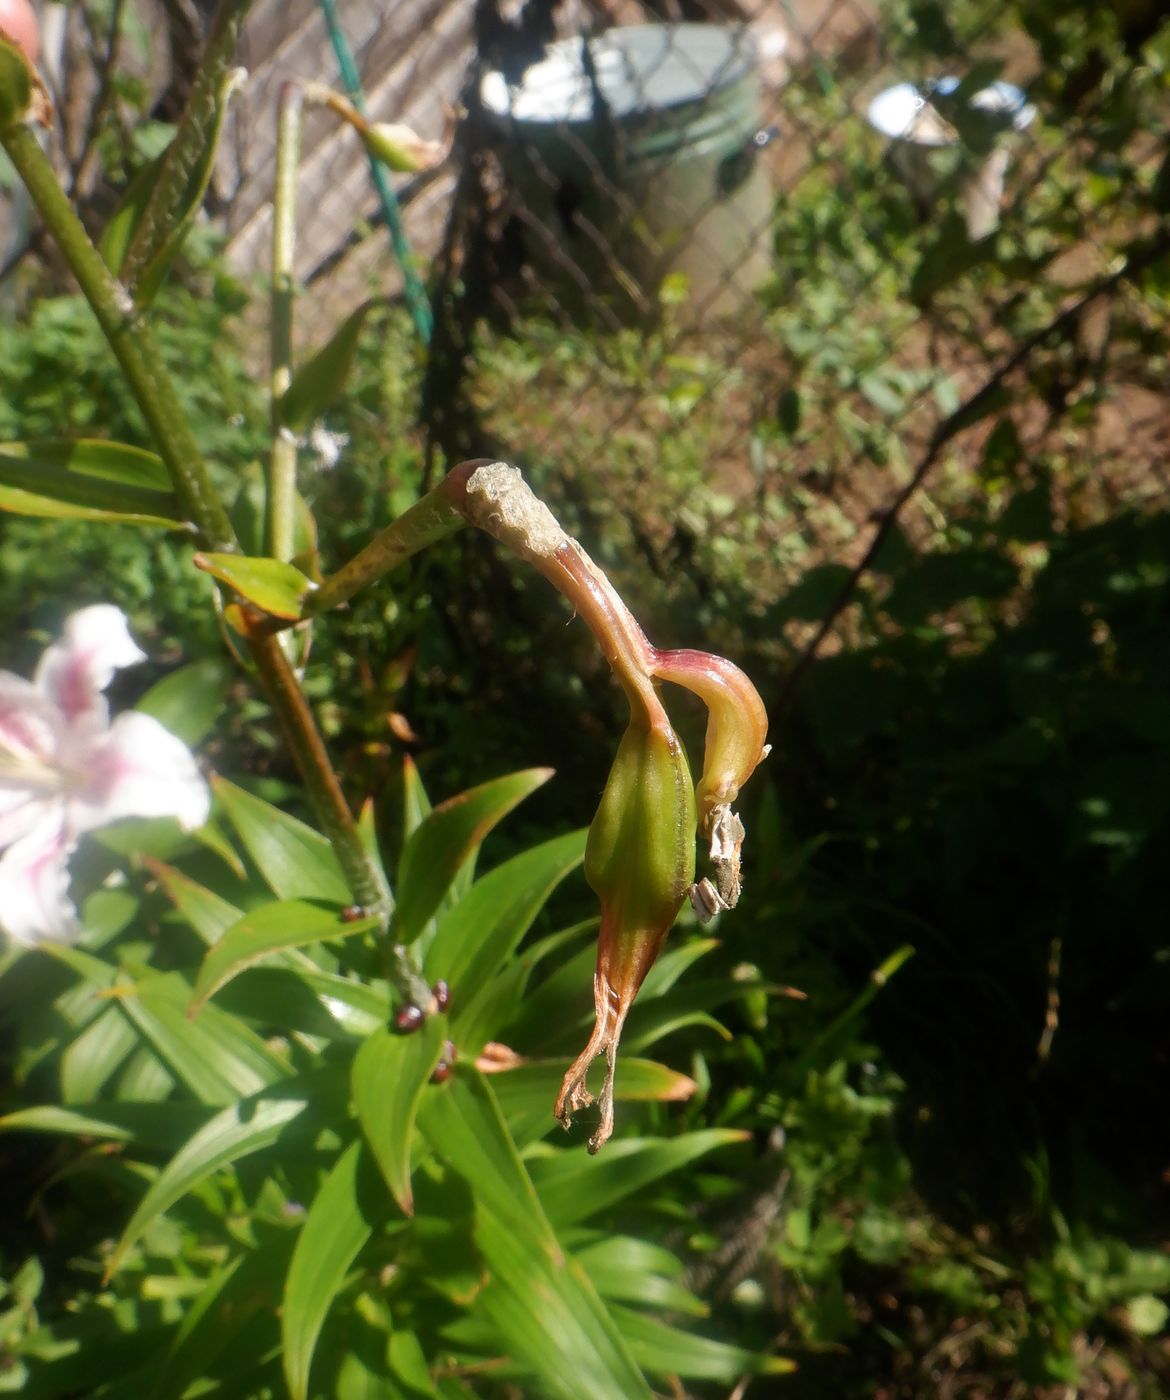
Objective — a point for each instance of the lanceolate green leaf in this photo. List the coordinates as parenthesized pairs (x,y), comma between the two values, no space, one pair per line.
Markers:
(289,923)
(153,1125)
(389,1074)
(235,1132)
(189,701)
(351,1203)
(445,839)
(274,586)
(147,230)
(668,1351)
(87,479)
(207,912)
(633,1271)
(217,1057)
(248,1286)
(526,1094)
(487,924)
(574,1186)
(587,1358)
(318,383)
(95,1055)
(295,861)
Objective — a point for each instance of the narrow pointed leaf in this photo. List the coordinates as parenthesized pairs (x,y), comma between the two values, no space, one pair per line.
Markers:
(87,479)
(235,1132)
(189,701)
(574,1186)
(669,1351)
(639,1081)
(295,861)
(207,912)
(95,1056)
(589,1361)
(289,923)
(350,1204)
(621,1270)
(250,1285)
(446,838)
(389,1074)
(275,587)
(318,383)
(154,1125)
(416,805)
(487,924)
(157,218)
(303,998)
(217,1057)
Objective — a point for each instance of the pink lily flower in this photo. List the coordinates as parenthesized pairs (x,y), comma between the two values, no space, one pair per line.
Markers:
(65,769)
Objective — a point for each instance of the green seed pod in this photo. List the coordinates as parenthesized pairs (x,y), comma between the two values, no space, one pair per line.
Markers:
(640,856)
(640,859)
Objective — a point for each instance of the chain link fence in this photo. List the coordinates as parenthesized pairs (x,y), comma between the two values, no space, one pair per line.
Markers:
(772,296)
(784,295)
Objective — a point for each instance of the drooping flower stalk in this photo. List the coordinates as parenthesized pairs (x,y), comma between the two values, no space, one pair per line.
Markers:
(640,854)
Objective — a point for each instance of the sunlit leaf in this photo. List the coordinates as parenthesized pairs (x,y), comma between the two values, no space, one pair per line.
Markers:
(235,1132)
(272,928)
(669,1351)
(153,1125)
(295,861)
(217,1057)
(487,924)
(444,840)
(87,479)
(574,1186)
(318,383)
(389,1074)
(272,585)
(352,1201)
(634,1271)
(590,1361)
(95,1056)
(208,913)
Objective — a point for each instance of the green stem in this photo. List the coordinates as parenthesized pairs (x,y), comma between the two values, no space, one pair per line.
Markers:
(131,341)
(426,522)
(282,486)
(329,804)
(188,144)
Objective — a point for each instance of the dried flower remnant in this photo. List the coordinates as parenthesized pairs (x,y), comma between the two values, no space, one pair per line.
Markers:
(640,853)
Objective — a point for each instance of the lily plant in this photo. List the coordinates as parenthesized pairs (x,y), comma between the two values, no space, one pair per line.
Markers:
(68,769)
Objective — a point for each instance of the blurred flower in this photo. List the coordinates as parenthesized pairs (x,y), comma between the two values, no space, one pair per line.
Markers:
(326,446)
(65,769)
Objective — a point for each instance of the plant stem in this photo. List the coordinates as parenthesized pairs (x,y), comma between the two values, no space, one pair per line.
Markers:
(329,804)
(282,485)
(131,341)
(426,522)
(188,144)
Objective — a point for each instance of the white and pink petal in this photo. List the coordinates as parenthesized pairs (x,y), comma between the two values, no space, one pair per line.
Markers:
(137,768)
(74,671)
(34,884)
